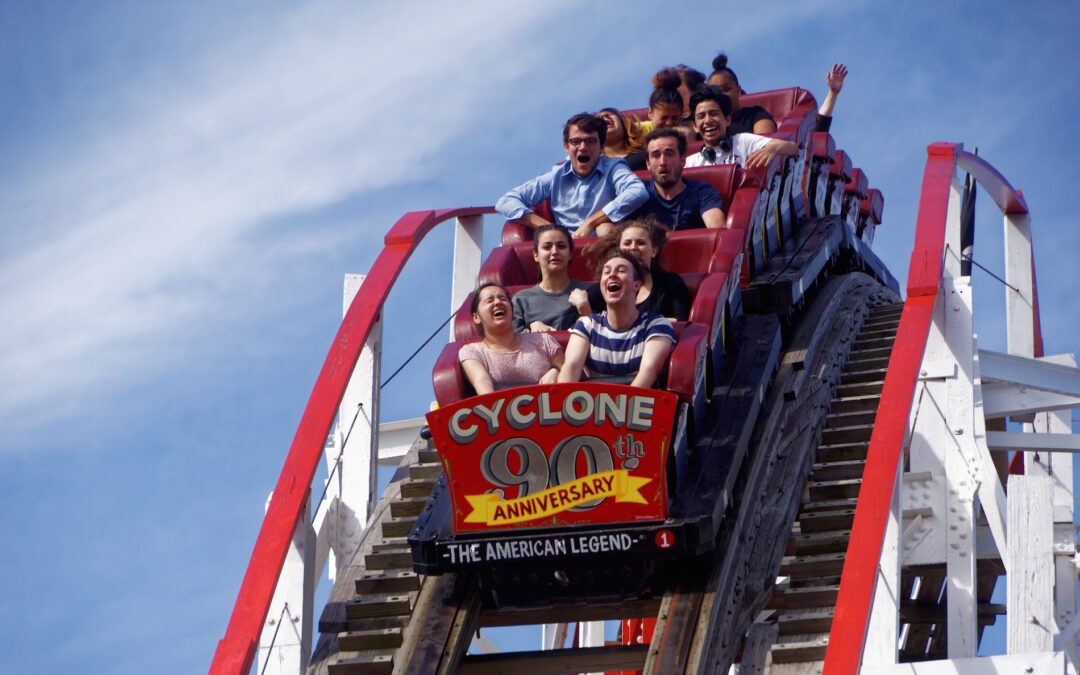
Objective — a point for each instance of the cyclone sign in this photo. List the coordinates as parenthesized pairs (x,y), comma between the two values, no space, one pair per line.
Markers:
(556,455)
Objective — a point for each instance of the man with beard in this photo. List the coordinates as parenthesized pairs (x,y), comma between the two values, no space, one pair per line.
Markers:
(587,191)
(680,203)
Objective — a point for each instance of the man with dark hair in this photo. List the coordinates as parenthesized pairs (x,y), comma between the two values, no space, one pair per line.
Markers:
(680,203)
(710,111)
(587,192)
(620,344)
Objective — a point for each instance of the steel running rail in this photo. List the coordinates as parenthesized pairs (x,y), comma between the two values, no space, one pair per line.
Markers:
(847,636)
(236,651)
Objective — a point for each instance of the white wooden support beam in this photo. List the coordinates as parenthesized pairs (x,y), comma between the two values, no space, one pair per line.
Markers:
(1044,663)
(395,439)
(923,493)
(883,628)
(963,470)
(468,248)
(592,635)
(1001,399)
(1041,374)
(1018,291)
(951,264)
(285,640)
(1031,624)
(351,462)
(1019,440)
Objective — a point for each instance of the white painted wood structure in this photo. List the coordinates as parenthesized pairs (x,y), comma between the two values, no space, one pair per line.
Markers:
(952,507)
(360,444)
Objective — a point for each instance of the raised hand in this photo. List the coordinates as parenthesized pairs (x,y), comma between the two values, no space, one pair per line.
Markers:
(835,77)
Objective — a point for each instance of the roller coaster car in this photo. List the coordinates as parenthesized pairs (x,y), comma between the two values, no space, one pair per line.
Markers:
(562,492)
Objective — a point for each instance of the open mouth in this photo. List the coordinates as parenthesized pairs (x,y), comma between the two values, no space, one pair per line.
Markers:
(613,286)
(583,159)
(498,312)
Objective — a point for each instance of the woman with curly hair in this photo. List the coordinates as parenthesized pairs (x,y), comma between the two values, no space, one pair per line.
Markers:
(661,292)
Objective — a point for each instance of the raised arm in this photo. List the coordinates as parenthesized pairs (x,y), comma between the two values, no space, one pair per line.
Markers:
(835,79)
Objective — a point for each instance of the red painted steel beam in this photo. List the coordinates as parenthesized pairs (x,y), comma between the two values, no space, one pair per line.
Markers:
(847,636)
(236,651)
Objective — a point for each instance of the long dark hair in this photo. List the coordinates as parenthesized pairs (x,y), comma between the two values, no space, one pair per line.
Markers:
(474,306)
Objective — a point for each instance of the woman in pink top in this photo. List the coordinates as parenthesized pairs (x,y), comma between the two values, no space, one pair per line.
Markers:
(504,358)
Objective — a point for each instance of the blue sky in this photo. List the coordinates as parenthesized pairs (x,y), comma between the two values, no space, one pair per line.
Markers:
(183,186)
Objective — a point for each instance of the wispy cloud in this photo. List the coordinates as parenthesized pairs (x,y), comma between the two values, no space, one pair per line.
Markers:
(139,223)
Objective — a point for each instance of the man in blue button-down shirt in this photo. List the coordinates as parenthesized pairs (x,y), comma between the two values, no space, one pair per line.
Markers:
(587,192)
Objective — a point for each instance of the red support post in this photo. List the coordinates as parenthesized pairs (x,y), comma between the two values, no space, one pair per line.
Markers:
(236,651)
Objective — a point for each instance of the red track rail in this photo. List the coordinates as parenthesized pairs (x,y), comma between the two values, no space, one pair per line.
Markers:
(236,651)
(848,634)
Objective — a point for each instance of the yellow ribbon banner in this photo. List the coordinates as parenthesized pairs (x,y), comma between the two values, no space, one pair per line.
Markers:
(618,483)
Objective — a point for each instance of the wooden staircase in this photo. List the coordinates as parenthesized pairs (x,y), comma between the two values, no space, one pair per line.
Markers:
(364,627)
(814,560)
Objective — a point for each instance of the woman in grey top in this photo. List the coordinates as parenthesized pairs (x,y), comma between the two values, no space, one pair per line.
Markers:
(546,306)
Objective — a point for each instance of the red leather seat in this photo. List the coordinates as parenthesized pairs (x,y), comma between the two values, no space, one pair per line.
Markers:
(872,206)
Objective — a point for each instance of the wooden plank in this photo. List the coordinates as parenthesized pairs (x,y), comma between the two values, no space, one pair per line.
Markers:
(373,664)
(804,598)
(377,638)
(416,488)
(407,508)
(800,652)
(856,418)
(390,544)
(817,620)
(854,404)
(841,452)
(841,435)
(838,470)
(1030,581)
(397,527)
(818,543)
(390,605)
(594,611)
(385,560)
(580,660)
(856,376)
(861,389)
(425,472)
(403,581)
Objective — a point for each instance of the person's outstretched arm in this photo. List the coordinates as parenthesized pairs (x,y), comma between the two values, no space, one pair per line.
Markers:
(835,79)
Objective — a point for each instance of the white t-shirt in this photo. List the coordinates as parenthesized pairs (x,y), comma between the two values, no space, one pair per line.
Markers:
(742,146)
